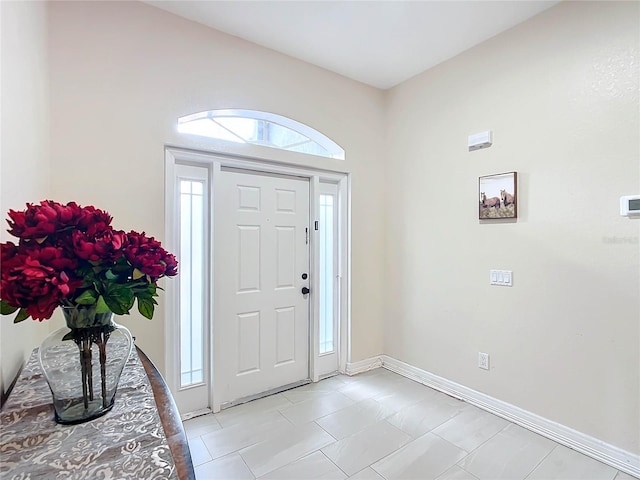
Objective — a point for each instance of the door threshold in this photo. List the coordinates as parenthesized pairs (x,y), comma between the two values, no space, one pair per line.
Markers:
(328,375)
(197,413)
(257,396)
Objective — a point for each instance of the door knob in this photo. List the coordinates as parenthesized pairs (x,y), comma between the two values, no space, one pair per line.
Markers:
(305,290)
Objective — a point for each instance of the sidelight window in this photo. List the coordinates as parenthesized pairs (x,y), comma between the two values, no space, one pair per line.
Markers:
(328,270)
(192,301)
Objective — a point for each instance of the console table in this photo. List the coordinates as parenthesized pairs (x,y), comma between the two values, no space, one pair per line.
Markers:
(140,438)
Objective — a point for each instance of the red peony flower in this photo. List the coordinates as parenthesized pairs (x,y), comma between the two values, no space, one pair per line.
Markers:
(43,307)
(172,265)
(93,221)
(34,278)
(106,246)
(69,214)
(35,222)
(12,259)
(40,221)
(7,252)
(147,255)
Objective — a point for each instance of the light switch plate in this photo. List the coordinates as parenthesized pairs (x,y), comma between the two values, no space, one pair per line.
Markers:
(503,278)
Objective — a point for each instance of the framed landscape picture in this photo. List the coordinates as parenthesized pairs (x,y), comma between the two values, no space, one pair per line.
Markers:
(498,196)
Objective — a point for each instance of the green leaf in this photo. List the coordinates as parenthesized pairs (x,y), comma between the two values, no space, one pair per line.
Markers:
(110,275)
(101,305)
(88,297)
(6,309)
(119,299)
(69,336)
(146,307)
(22,315)
(147,291)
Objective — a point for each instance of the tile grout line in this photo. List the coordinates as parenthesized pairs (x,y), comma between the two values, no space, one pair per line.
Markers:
(471,451)
(324,430)
(390,453)
(199,437)
(285,417)
(541,460)
(246,464)
(332,462)
(467,472)
(207,449)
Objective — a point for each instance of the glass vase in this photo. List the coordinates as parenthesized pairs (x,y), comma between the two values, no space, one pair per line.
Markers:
(82,363)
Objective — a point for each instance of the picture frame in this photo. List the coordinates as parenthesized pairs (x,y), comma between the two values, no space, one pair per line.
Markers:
(498,196)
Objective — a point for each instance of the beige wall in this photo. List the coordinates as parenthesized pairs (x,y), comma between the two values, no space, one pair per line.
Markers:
(121,75)
(560,93)
(24,162)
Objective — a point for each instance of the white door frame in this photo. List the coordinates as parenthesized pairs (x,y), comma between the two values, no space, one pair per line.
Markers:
(213,161)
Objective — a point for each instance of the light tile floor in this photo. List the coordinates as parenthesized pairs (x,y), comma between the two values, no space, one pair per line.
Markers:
(376,426)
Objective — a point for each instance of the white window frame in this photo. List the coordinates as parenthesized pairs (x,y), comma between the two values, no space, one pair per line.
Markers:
(325,361)
(212,161)
(332,148)
(189,270)
(175,172)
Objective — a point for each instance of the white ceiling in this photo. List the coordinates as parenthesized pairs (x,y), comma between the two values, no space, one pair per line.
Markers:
(380,43)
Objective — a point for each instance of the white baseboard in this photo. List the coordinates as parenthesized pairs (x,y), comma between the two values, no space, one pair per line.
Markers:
(364,365)
(606,453)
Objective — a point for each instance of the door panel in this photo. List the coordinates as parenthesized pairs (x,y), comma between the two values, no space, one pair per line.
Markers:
(249,258)
(285,263)
(262,318)
(285,335)
(248,348)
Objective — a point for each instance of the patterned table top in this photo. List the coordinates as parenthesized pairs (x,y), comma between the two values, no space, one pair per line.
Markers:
(127,442)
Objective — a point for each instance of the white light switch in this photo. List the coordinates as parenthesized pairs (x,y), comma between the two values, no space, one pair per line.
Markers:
(501,277)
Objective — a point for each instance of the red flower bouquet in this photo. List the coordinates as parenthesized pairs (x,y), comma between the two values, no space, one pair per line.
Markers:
(68,255)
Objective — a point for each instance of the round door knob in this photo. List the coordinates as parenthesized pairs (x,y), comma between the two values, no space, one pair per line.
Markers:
(305,290)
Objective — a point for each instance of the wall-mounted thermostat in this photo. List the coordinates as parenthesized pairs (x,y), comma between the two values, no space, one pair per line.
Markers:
(480,140)
(630,205)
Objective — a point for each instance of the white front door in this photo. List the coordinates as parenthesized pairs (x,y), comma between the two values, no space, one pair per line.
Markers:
(261,264)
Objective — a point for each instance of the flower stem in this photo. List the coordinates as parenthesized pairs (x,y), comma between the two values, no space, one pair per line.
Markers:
(87,353)
(84,375)
(102,338)
(84,338)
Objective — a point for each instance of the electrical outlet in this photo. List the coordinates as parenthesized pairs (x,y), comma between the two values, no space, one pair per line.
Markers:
(483,360)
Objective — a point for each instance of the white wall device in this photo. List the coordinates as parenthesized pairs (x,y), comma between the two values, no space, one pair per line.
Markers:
(480,140)
(630,205)
(501,277)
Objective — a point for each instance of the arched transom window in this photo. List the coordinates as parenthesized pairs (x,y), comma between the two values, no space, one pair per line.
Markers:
(260,128)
